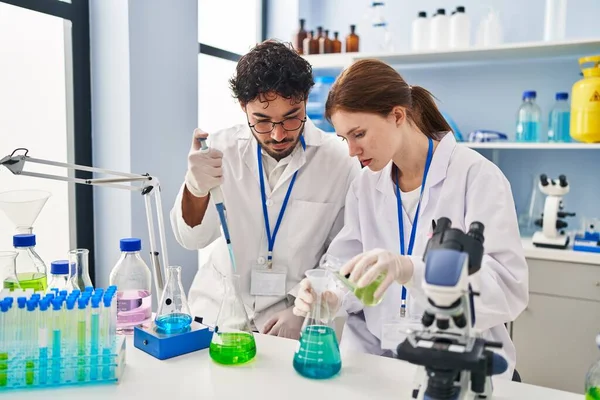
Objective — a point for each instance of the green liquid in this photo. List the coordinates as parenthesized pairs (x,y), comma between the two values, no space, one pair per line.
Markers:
(81,350)
(593,393)
(3,368)
(29,367)
(366,294)
(235,348)
(28,280)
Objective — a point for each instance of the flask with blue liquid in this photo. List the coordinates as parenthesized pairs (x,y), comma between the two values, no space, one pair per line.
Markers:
(529,119)
(560,119)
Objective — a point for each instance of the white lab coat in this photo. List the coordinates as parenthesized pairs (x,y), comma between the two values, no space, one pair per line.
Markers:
(313,217)
(465,187)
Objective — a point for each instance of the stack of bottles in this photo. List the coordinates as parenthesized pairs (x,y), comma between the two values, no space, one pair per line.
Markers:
(59,338)
(320,42)
(529,119)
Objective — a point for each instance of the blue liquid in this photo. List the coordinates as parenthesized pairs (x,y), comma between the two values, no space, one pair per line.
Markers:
(43,365)
(106,361)
(56,356)
(559,126)
(95,323)
(173,323)
(318,354)
(528,131)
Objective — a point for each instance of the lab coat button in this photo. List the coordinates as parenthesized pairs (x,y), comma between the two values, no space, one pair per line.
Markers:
(269,202)
(261,260)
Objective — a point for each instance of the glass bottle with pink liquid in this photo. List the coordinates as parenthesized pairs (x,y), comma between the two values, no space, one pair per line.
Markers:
(133,278)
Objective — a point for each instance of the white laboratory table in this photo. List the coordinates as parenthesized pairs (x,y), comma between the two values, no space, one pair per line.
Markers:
(269,375)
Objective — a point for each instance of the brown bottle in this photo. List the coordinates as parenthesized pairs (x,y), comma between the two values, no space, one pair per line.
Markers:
(299,38)
(314,43)
(325,44)
(352,40)
(319,32)
(336,45)
(306,42)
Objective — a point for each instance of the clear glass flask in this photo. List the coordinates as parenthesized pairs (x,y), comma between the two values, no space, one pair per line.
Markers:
(173,315)
(592,380)
(232,341)
(366,295)
(8,266)
(31,272)
(80,275)
(318,352)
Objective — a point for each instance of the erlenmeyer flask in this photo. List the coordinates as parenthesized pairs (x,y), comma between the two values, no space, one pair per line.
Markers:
(318,353)
(79,259)
(8,269)
(22,207)
(366,295)
(232,341)
(173,315)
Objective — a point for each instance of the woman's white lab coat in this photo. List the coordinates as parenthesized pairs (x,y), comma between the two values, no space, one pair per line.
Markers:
(313,217)
(465,187)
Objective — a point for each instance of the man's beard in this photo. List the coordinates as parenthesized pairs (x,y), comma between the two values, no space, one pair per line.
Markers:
(279,155)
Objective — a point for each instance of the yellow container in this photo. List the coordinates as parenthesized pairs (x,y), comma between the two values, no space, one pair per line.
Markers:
(585,102)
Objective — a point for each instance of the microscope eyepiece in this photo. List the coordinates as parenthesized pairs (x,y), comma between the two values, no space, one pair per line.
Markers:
(476,231)
(544,179)
(562,180)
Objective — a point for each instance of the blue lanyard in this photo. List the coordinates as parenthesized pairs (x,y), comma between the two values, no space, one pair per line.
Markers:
(411,241)
(271,237)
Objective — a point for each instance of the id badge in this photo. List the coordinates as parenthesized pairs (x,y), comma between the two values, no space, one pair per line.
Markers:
(266,281)
(395,330)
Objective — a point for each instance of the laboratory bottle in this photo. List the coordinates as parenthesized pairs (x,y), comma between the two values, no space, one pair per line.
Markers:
(319,33)
(132,278)
(31,272)
(317,354)
(173,314)
(352,40)
(232,341)
(325,44)
(528,119)
(314,43)
(555,20)
(306,43)
(299,37)
(560,119)
(420,32)
(439,31)
(60,275)
(80,275)
(336,44)
(592,379)
(460,29)
(8,271)
(366,294)
(381,34)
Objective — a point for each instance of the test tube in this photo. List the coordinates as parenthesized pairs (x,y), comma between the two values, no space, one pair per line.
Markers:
(30,327)
(43,341)
(57,332)
(70,339)
(94,339)
(3,343)
(81,336)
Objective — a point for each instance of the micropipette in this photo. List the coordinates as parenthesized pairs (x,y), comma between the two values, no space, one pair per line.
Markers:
(217,196)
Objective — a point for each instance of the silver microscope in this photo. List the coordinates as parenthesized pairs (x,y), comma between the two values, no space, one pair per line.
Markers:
(455,362)
(553,233)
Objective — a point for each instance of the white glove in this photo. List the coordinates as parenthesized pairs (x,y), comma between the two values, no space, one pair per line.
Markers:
(284,324)
(204,169)
(330,302)
(366,267)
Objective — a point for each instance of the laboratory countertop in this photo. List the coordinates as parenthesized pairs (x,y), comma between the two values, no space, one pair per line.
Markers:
(565,255)
(269,375)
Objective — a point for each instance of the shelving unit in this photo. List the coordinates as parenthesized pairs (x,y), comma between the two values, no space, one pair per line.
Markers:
(505,52)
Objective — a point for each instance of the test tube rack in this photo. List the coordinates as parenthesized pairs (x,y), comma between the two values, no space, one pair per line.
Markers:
(60,345)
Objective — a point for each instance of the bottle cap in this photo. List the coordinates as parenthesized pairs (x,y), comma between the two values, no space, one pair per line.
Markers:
(562,96)
(59,267)
(529,94)
(131,244)
(441,11)
(24,240)
(460,9)
(422,14)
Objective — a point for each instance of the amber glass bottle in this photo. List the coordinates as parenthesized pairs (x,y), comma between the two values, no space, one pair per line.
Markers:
(352,40)
(299,38)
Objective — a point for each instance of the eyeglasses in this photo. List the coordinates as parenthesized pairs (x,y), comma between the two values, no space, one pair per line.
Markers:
(289,124)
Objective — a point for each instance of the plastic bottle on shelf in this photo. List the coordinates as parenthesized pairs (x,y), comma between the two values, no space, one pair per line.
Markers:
(439,38)
(529,119)
(560,119)
(460,29)
(555,20)
(489,31)
(420,32)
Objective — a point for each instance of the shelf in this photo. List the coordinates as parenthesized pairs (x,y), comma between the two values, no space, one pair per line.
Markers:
(511,51)
(566,255)
(531,146)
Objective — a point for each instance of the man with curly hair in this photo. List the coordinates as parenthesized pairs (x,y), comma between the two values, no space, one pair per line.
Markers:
(284,182)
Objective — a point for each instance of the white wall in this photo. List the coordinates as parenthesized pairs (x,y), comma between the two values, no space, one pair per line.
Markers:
(33,114)
(145,107)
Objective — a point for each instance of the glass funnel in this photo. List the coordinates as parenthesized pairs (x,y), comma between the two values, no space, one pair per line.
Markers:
(8,269)
(80,276)
(366,295)
(22,207)
(173,315)
(318,352)
(232,341)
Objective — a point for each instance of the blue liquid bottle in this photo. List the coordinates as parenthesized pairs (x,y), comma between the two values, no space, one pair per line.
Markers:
(529,119)
(318,354)
(560,119)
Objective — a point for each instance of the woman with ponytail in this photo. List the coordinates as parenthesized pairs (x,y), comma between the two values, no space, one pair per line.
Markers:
(415,174)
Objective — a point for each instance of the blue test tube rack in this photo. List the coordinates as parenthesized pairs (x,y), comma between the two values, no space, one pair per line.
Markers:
(59,338)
